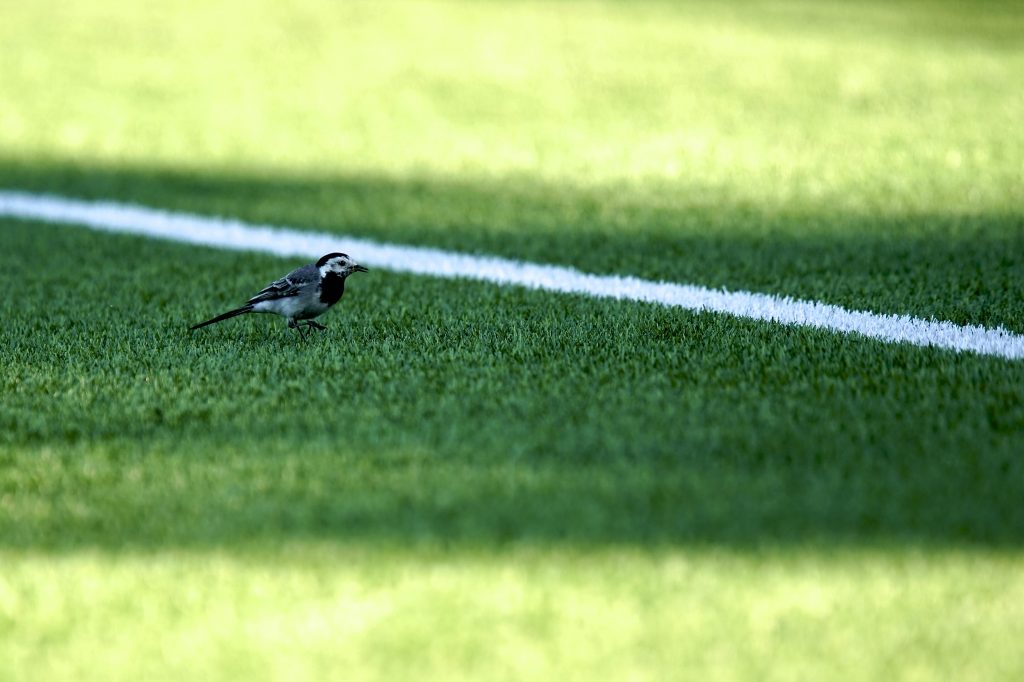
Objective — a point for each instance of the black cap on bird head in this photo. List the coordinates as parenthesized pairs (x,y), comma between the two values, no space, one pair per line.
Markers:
(323,259)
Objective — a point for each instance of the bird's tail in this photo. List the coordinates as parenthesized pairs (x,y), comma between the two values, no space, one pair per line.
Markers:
(231,313)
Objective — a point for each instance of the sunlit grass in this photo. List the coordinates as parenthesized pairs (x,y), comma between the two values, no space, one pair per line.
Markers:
(854,106)
(310,611)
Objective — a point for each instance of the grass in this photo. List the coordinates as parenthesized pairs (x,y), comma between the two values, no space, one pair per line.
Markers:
(445,442)
(845,105)
(312,611)
(951,266)
(470,411)
(461,481)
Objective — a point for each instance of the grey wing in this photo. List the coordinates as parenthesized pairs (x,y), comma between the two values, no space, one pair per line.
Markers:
(290,285)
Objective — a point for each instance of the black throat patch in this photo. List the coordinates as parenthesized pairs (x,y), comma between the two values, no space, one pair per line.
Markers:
(331,288)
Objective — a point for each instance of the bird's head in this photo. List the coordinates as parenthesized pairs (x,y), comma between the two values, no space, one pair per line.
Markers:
(338,264)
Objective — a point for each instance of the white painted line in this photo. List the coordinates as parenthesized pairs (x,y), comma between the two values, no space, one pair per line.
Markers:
(234,234)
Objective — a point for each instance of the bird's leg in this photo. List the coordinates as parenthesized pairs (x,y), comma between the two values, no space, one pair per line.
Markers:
(292,324)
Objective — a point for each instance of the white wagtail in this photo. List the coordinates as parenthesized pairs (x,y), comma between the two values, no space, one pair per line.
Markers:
(302,294)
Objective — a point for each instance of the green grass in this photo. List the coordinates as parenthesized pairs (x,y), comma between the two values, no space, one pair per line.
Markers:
(462,440)
(851,105)
(316,611)
(461,481)
(459,410)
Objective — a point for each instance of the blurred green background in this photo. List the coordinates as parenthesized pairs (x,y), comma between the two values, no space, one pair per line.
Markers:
(846,105)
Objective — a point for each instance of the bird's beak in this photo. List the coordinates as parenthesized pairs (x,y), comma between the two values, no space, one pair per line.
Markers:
(359,268)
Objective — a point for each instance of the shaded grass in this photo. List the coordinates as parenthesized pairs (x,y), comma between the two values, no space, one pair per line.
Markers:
(456,411)
(964,267)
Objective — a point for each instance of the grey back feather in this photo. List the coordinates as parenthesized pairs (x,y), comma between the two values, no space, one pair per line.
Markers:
(292,284)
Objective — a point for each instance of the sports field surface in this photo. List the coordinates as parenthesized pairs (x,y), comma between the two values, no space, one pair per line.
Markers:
(462,480)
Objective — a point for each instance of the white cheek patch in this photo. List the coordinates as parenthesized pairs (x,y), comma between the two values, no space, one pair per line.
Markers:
(337,266)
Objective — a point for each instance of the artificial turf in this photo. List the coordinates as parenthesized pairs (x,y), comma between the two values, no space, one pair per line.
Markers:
(463,481)
(451,453)
(491,413)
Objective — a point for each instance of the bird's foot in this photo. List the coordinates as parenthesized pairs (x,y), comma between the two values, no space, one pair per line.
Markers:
(316,325)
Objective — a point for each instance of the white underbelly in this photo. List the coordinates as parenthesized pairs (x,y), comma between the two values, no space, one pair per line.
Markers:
(292,308)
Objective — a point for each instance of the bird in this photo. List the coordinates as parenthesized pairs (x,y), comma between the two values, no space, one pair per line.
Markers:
(300,296)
